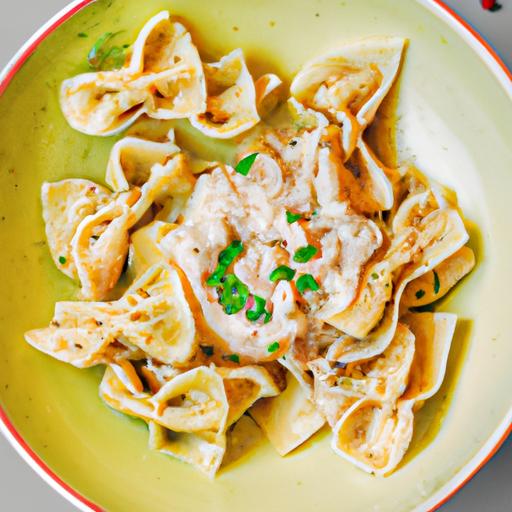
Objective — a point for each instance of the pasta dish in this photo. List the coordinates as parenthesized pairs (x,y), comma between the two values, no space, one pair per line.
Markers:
(287,288)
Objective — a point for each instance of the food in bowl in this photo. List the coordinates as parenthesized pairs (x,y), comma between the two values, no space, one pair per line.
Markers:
(289,289)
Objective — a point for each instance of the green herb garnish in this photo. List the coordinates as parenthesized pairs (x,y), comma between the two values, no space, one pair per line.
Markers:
(207,350)
(273,347)
(419,294)
(244,166)
(233,357)
(226,257)
(427,308)
(82,34)
(375,275)
(282,273)
(104,57)
(268,317)
(304,254)
(62,260)
(307,282)
(233,294)
(437,284)
(292,217)
(257,310)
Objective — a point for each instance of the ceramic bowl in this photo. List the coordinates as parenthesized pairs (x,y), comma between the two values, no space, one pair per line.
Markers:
(454,122)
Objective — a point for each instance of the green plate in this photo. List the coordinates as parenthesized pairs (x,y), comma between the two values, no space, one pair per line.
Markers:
(454,122)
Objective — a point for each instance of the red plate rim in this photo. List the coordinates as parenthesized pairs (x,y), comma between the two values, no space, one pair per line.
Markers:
(438,7)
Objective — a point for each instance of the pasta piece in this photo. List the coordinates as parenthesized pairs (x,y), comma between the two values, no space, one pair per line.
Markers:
(165,61)
(412,210)
(299,370)
(157,316)
(101,103)
(383,379)
(267,93)
(100,248)
(194,401)
(244,386)
(169,186)
(153,315)
(365,313)
(289,419)
(132,158)
(349,84)
(439,235)
(78,335)
(203,450)
(231,103)
(127,374)
(429,288)
(434,333)
(330,399)
(66,204)
(164,79)
(243,436)
(348,243)
(362,180)
(374,436)
(157,374)
(145,248)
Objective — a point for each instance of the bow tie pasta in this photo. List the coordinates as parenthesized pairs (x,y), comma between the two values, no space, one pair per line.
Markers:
(272,293)
(349,84)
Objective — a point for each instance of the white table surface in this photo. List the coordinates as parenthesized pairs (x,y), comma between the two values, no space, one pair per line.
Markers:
(21,490)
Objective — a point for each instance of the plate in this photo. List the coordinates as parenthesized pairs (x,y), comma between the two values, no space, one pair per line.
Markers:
(454,122)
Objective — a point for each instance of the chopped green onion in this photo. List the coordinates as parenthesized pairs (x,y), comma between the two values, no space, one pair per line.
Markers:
(62,260)
(214,279)
(273,347)
(257,309)
(233,357)
(114,58)
(307,282)
(375,275)
(282,273)
(304,254)
(268,317)
(82,34)
(244,166)
(292,217)
(233,295)
(419,294)
(427,308)
(207,350)
(437,284)
(226,257)
(101,57)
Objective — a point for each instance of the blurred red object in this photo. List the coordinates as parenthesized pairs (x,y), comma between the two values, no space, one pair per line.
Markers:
(491,5)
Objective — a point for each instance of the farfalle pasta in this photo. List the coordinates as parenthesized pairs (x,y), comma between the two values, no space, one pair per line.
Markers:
(282,290)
